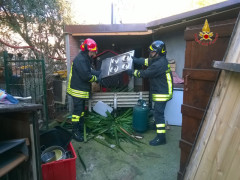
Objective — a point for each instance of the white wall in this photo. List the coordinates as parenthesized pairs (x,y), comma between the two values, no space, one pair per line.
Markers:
(175,45)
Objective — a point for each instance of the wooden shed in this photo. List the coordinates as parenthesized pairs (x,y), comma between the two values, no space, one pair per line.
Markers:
(193,60)
(216,153)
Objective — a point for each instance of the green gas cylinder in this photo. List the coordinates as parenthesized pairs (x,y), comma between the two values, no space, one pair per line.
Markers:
(140,116)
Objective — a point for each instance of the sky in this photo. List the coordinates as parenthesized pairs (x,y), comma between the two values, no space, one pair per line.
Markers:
(130,11)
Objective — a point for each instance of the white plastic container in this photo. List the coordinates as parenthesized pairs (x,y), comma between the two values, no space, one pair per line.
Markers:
(101,108)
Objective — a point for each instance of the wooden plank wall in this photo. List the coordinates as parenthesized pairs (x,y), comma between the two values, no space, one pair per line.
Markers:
(217,151)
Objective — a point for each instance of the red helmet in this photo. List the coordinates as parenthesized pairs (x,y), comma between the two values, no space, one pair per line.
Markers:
(89,45)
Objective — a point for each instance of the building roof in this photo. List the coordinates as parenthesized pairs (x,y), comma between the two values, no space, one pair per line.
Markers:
(112,29)
(201,12)
(220,11)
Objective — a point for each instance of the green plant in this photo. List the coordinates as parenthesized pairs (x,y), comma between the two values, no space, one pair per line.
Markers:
(110,130)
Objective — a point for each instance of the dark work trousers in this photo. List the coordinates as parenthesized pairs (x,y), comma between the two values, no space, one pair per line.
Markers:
(78,110)
(159,107)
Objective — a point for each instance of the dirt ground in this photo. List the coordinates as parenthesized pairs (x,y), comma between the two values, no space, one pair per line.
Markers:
(143,162)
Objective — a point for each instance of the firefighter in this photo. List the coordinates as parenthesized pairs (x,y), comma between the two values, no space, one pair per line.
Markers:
(161,85)
(79,85)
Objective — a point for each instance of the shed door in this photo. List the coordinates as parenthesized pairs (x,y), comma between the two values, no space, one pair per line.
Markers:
(199,79)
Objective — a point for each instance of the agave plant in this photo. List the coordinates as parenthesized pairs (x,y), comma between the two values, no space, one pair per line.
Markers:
(110,130)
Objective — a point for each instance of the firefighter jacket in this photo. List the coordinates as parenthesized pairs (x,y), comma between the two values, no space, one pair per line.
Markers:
(160,78)
(80,77)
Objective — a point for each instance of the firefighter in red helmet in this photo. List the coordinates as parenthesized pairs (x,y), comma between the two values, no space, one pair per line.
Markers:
(161,85)
(79,84)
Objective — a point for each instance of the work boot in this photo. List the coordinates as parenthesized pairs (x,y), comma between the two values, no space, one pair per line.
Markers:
(158,140)
(77,132)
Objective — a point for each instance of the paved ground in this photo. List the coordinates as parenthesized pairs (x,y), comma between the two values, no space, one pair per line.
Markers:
(138,163)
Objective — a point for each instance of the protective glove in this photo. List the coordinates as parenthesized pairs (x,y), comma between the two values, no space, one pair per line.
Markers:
(130,72)
(96,73)
(139,61)
(99,78)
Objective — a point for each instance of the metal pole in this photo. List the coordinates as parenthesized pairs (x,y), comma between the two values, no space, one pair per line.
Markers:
(112,13)
(45,93)
(70,107)
(5,57)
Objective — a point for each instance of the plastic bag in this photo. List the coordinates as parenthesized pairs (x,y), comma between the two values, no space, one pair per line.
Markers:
(6,98)
(2,95)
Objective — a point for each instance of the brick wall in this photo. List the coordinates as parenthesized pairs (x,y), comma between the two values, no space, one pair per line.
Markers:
(74,47)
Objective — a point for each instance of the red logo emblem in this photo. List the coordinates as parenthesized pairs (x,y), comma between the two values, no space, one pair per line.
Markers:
(205,36)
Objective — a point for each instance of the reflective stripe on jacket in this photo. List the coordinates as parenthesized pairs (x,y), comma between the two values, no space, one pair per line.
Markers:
(160,78)
(80,77)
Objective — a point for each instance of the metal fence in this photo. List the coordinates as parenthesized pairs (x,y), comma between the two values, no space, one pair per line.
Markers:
(26,79)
